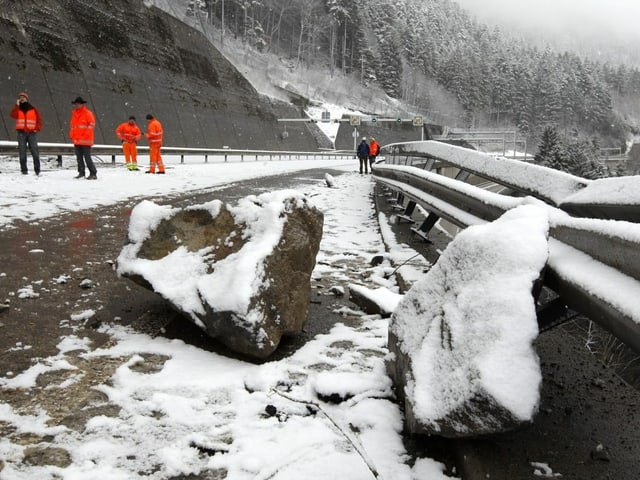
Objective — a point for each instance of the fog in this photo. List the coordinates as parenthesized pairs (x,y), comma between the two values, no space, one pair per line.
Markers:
(605,21)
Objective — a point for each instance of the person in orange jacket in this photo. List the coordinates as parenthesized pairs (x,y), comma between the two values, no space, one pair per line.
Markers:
(28,123)
(154,135)
(374,149)
(81,128)
(129,133)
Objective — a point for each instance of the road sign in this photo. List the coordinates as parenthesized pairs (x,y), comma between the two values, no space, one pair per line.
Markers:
(354,120)
(417,121)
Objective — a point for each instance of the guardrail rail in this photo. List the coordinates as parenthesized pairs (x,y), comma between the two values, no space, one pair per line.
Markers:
(213,154)
(594,224)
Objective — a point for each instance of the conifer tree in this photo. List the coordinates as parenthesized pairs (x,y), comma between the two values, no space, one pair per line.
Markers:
(550,150)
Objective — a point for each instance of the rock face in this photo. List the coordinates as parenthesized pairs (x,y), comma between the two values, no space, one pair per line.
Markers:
(126,57)
(462,337)
(242,273)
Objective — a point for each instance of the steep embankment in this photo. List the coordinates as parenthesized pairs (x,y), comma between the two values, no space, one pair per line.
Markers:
(126,59)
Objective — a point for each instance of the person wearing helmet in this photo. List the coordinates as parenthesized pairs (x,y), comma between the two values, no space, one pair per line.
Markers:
(363,155)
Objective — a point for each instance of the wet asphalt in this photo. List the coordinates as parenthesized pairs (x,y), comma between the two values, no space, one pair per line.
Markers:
(587,427)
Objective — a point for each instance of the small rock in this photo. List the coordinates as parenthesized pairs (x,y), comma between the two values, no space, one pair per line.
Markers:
(93,323)
(377,260)
(600,453)
(87,283)
(38,456)
(337,290)
(329,180)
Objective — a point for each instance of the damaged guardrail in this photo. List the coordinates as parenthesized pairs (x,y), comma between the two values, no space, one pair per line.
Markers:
(594,231)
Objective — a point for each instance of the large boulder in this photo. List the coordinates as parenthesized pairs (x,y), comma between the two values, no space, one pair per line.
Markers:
(461,339)
(242,273)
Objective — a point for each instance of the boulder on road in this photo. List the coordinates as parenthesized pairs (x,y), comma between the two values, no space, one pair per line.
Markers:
(461,339)
(242,273)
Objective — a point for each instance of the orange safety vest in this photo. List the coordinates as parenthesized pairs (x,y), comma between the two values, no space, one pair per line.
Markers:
(28,121)
(129,133)
(154,131)
(81,127)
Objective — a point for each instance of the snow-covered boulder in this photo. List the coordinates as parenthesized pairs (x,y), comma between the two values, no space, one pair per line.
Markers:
(462,338)
(242,273)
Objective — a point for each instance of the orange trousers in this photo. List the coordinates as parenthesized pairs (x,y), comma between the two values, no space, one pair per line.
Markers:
(155,158)
(130,151)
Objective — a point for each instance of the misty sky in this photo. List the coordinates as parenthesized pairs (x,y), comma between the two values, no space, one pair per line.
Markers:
(616,19)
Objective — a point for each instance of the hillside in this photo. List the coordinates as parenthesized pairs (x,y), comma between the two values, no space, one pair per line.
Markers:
(436,59)
(127,57)
(410,57)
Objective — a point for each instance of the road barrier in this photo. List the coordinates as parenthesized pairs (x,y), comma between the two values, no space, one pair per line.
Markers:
(207,154)
(593,265)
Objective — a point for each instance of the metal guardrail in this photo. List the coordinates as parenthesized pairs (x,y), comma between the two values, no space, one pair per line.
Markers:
(223,154)
(588,256)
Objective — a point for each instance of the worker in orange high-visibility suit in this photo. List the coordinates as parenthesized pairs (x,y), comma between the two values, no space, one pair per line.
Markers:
(28,124)
(129,133)
(154,135)
(81,127)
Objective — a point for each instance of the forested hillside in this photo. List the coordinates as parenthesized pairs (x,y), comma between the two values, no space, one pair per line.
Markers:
(412,47)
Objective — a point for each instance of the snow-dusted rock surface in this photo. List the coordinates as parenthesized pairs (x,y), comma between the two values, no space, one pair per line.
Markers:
(462,337)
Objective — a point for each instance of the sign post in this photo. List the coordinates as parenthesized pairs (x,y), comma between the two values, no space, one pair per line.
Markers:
(419,122)
(354,121)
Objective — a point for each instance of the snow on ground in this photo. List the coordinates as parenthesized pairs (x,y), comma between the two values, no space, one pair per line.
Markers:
(28,197)
(196,411)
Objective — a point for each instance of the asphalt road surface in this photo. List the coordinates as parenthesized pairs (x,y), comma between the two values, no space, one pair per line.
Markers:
(588,423)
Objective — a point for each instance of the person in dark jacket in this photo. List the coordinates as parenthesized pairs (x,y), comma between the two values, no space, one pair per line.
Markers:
(28,124)
(363,155)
